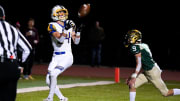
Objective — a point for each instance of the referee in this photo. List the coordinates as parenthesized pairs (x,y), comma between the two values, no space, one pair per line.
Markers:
(10,41)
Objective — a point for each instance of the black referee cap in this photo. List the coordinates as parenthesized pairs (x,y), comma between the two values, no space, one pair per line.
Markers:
(2,13)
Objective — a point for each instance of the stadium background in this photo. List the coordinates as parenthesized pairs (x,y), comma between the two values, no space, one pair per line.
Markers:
(158,21)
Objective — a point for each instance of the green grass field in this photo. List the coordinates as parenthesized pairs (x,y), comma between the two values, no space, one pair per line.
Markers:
(112,92)
(41,81)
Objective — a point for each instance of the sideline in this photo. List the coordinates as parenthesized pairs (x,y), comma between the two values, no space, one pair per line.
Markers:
(33,89)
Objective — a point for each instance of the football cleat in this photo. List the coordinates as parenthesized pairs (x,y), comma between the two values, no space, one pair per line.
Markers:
(48,99)
(59,13)
(65,99)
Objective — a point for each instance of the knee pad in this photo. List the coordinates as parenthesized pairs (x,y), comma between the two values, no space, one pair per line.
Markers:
(55,72)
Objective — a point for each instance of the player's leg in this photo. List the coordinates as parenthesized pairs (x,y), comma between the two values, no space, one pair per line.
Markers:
(61,64)
(140,80)
(160,85)
(155,77)
(51,67)
(53,83)
(57,91)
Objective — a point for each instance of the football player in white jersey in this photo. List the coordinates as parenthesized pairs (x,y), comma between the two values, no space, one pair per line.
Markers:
(61,32)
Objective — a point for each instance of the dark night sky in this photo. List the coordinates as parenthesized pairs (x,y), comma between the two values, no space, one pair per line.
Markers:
(158,21)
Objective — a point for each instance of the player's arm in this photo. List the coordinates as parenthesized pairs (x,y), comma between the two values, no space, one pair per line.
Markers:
(132,79)
(76,37)
(59,36)
(138,65)
(136,51)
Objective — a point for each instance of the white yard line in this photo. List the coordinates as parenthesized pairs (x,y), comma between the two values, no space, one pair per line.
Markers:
(32,89)
(177,84)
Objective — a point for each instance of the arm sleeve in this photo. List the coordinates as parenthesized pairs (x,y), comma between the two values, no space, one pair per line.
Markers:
(24,44)
(138,64)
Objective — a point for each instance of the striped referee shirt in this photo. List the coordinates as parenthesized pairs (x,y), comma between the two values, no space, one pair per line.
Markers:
(10,40)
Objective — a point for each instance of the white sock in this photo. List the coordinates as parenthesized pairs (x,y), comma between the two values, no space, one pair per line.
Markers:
(52,86)
(176,91)
(132,96)
(58,93)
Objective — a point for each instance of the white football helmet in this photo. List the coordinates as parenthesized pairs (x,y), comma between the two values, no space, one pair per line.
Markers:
(56,13)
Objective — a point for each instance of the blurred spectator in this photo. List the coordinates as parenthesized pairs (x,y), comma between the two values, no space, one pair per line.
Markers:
(96,36)
(32,36)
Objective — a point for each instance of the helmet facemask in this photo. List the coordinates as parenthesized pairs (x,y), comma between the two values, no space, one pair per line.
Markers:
(59,13)
(132,37)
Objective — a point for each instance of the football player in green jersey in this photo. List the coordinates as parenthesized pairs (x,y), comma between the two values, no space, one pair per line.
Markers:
(144,60)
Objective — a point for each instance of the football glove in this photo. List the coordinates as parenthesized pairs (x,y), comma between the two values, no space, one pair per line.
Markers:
(70,24)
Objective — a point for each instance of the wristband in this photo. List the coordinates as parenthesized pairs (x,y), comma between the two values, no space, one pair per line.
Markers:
(78,33)
(134,75)
(76,41)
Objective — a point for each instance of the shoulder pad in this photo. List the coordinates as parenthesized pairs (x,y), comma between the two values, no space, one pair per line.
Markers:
(51,28)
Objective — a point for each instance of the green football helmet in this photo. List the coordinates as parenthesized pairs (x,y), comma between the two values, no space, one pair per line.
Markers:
(132,37)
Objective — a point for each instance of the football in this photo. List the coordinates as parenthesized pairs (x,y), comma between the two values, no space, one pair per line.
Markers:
(84,10)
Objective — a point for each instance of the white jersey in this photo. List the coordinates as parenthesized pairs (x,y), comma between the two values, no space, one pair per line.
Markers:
(62,55)
(66,45)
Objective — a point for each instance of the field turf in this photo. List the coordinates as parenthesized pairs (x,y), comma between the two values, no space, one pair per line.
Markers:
(112,92)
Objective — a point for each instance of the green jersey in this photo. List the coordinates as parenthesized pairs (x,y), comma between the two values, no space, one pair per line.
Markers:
(146,55)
